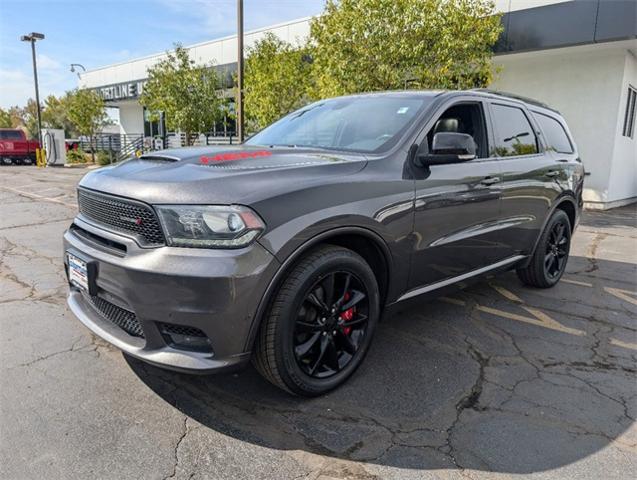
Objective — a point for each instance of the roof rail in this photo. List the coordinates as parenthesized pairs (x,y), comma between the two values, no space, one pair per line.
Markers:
(515,96)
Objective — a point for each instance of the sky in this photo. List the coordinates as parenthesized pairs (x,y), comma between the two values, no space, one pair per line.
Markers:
(101,32)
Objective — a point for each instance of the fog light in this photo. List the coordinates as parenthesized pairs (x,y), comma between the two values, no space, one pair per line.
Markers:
(184,339)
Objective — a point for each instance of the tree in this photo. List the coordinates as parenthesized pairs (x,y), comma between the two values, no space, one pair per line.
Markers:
(5,118)
(17,117)
(56,114)
(368,45)
(87,113)
(185,92)
(24,118)
(28,117)
(277,80)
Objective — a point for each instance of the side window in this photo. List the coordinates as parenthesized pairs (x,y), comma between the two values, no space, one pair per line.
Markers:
(513,132)
(463,118)
(556,137)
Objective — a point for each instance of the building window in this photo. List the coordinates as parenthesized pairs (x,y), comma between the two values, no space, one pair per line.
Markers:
(629,117)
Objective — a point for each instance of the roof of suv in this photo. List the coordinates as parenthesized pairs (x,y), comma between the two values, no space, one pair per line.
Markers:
(480,91)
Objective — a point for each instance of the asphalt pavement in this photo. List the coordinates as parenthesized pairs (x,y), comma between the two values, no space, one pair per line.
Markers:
(492,381)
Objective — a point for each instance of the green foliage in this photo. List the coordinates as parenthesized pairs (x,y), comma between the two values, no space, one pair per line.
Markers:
(86,111)
(185,92)
(29,118)
(103,157)
(369,45)
(54,111)
(277,80)
(373,45)
(76,156)
(24,118)
(56,114)
(5,118)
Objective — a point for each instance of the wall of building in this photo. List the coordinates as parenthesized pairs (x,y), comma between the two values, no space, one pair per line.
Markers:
(622,183)
(586,85)
(131,118)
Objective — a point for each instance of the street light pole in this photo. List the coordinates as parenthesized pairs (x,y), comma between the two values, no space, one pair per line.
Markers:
(240,124)
(33,37)
(37,91)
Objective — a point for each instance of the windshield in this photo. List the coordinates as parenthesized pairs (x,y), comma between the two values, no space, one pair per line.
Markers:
(363,124)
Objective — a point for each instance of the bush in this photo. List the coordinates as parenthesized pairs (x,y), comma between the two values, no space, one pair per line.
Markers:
(76,156)
(103,158)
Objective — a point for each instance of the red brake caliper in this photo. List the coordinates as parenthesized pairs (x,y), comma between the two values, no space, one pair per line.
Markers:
(347,315)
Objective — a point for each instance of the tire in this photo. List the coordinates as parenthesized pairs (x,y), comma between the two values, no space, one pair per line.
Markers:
(304,350)
(548,262)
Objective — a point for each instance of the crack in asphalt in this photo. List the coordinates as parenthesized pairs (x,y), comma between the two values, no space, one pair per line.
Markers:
(9,249)
(37,224)
(184,434)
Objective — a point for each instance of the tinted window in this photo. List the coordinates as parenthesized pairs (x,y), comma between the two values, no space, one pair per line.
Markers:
(463,118)
(555,135)
(513,132)
(364,124)
(10,135)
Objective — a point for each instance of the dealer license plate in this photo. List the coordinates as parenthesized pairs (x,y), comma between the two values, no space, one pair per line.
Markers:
(78,273)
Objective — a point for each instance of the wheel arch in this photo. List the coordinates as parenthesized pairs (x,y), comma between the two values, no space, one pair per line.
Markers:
(567,203)
(363,241)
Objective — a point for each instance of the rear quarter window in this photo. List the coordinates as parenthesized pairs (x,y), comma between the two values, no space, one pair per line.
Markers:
(554,133)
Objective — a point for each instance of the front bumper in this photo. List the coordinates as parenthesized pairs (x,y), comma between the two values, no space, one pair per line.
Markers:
(215,291)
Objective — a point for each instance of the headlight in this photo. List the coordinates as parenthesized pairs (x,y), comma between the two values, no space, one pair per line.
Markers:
(213,226)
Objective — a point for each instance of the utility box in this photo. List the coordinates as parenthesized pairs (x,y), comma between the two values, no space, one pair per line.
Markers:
(54,146)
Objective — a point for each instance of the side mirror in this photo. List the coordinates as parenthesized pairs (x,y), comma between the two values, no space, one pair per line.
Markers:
(447,148)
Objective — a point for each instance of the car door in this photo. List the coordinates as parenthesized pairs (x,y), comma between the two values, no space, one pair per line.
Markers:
(529,174)
(457,206)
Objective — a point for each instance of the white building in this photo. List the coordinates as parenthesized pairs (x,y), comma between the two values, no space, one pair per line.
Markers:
(580,57)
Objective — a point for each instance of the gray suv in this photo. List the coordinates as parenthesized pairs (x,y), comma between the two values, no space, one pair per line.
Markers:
(287,249)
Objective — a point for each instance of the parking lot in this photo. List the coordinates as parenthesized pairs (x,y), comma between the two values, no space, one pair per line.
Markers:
(494,380)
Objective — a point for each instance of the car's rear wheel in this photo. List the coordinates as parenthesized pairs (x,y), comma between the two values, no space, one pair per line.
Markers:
(320,323)
(551,254)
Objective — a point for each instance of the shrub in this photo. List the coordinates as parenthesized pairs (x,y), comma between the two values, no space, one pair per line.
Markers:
(103,158)
(76,156)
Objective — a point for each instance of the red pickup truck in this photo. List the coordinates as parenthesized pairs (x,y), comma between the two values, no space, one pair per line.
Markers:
(15,148)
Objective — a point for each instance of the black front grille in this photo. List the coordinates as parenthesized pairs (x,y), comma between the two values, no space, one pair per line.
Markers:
(122,214)
(124,319)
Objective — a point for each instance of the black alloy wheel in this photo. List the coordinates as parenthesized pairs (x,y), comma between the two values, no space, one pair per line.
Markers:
(556,251)
(331,324)
(320,322)
(547,265)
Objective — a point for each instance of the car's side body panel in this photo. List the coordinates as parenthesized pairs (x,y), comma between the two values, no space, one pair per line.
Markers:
(378,199)
(457,211)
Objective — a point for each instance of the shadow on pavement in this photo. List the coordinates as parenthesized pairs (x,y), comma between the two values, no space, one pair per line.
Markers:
(453,385)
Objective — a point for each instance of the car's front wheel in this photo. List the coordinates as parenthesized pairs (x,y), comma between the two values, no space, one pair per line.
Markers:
(548,263)
(320,323)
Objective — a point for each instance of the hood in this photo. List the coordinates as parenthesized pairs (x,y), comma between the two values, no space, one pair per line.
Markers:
(221,175)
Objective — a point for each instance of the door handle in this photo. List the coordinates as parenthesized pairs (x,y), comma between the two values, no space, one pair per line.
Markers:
(490,180)
(552,173)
